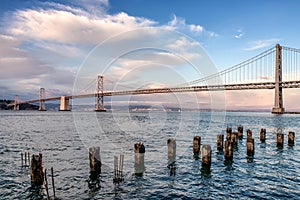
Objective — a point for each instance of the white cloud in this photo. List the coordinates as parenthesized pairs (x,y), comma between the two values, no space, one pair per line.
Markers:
(196,28)
(38,43)
(239,34)
(72,28)
(260,44)
(178,23)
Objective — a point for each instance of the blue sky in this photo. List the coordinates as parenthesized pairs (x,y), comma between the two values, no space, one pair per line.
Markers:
(45,43)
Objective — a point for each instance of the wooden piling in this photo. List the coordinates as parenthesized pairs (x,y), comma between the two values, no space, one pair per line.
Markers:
(291,138)
(25,158)
(115,169)
(46,185)
(171,151)
(234,138)
(240,132)
(206,155)
(121,165)
(262,135)
(228,150)
(220,142)
(228,133)
(196,144)
(53,186)
(139,156)
(36,170)
(95,160)
(28,156)
(249,135)
(280,140)
(250,146)
(22,159)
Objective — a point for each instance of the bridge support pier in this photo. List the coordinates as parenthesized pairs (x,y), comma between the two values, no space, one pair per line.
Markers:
(64,104)
(278,104)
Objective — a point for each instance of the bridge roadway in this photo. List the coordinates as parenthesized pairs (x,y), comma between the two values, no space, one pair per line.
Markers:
(244,86)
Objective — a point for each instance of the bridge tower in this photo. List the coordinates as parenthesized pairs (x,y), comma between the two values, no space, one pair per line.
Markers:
(99,106)
(16,105)
(42,106)
(278,103)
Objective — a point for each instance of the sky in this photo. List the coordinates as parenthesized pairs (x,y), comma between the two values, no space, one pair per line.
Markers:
(63,45)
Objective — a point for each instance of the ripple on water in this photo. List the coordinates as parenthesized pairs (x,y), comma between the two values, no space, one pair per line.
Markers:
(272,173)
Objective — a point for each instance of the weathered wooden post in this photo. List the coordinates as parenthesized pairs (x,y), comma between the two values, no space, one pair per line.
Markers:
(220,142)
(262,135)
(46,185)
(250,146)
(22,159)
(206,156)
(234,137)
(249,135)
(291,138)
(196,144)
(53,187)
(139,156)
(171,151)
(95,160)
(280,140)
(228,133)
(240,132)
(228,152)
(26,159)
(36,170)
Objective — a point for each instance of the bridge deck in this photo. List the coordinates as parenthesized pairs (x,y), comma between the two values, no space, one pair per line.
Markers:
(245,86)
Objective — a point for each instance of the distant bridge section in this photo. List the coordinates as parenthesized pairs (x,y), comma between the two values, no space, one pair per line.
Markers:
(276,68)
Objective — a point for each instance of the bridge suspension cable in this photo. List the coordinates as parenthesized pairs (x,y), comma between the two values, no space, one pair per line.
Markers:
(248,69)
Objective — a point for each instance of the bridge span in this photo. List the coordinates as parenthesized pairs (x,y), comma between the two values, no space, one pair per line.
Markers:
(234,78)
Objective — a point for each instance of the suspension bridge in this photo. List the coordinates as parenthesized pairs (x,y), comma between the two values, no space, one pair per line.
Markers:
(276,68)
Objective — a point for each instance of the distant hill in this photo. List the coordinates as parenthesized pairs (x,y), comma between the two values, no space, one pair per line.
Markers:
(26,106)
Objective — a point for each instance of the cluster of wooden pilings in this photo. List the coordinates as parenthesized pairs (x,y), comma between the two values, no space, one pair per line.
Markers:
(226,147)
(37,174)
(39,177)
(233,137)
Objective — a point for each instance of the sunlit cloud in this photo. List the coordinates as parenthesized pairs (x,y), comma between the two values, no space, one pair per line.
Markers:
(260,44)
